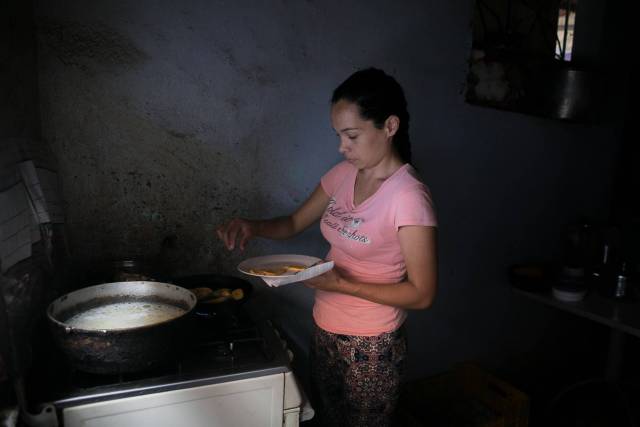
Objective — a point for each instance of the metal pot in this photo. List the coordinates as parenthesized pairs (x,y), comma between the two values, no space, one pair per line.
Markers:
(123,350)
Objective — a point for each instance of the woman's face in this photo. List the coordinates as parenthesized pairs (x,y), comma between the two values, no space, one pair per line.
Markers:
(361,143)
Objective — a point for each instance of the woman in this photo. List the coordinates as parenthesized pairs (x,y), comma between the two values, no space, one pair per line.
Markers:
(380,222)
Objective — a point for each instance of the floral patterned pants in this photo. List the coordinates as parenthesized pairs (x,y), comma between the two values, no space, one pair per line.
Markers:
(357,378)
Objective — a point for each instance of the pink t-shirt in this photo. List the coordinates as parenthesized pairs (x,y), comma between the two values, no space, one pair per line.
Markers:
(365,246)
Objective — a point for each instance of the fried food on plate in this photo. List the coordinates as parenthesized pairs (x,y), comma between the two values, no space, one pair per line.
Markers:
(277,271)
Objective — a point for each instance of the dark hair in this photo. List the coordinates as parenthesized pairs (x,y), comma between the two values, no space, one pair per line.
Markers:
(378,96)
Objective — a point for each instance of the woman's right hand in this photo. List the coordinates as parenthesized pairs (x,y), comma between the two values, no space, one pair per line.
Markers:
(237,230)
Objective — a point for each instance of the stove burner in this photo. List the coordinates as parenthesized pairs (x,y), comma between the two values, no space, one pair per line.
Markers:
(238,350)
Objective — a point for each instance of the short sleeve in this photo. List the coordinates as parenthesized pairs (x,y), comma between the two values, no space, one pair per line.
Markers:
(335,177)
(414,206)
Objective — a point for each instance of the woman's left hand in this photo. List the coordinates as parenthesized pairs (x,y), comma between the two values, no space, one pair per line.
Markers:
(329,281)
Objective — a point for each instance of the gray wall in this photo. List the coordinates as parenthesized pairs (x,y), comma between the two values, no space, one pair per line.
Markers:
(18,80)
(168,118)
(19,131)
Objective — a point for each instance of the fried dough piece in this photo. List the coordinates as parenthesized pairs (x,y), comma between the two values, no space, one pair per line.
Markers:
(221,295)
(237,294)
(222,292)
(202,293)
(216,300)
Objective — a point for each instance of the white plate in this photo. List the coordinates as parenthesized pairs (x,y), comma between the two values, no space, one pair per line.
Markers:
(274,262)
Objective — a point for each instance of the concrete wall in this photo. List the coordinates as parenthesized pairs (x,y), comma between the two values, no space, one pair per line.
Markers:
(19,130)
(170,117)
(18,80)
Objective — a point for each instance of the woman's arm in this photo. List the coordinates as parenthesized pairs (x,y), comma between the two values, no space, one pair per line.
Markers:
(417,291)
(242,230)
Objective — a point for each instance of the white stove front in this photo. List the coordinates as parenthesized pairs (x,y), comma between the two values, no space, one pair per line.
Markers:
(265,401)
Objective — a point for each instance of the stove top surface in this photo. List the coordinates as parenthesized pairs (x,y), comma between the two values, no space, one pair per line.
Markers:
(223,348)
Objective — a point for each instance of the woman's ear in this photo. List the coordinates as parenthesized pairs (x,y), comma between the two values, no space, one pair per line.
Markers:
(391,125)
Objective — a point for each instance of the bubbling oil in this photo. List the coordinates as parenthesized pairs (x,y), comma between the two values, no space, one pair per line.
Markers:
(124,315)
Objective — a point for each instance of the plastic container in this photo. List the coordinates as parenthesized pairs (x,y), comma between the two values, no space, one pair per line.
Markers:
(568,292)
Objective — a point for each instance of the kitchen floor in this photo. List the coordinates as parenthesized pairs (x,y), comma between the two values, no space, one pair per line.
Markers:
(591,405)
(595,404)
(311,423)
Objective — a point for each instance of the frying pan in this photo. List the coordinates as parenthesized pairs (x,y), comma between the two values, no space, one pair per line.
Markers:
(214,282)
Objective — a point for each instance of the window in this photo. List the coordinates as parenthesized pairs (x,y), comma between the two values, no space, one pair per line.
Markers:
(566,23)
(523,57)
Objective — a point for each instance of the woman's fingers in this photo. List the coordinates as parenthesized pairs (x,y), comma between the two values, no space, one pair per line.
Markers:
(236,230)
(248,231)
(243,240)
(232,234)
(222,234)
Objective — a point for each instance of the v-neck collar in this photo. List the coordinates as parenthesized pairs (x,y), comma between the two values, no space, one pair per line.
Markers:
(352,187)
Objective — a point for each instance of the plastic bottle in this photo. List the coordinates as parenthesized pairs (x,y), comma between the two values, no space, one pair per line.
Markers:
(620,290)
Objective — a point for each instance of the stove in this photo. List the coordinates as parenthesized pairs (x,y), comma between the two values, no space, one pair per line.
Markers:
(235,372)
